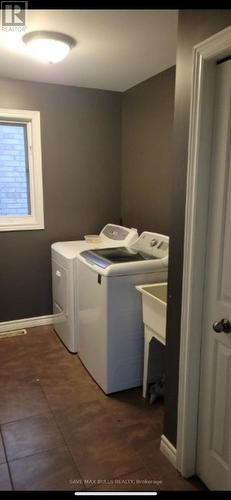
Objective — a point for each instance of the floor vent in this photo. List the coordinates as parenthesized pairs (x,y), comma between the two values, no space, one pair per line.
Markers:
(12,333)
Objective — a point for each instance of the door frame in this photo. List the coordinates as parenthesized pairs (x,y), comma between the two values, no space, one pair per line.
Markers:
(205,56)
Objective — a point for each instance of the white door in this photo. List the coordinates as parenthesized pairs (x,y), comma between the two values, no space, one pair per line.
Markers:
(214,435)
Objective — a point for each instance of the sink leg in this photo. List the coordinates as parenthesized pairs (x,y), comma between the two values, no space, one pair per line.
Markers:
(146,358)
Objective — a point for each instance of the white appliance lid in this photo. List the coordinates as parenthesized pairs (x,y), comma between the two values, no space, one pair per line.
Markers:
(151,250)
(104,257)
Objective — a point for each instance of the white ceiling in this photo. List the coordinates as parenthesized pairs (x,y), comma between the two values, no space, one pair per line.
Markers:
(116,49)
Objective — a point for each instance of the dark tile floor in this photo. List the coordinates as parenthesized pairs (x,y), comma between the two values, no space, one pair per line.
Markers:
(60,432)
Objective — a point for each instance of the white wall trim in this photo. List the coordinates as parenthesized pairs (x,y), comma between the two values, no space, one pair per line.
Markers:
(17,324)
(205,56)
(168,450)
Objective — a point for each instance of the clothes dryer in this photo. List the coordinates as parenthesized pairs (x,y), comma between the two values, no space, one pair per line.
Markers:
(65,278)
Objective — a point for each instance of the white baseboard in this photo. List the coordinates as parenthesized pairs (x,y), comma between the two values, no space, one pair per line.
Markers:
(168,450)
(17,324)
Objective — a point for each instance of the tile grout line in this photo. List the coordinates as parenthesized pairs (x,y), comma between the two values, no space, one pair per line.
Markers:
(33,378)
(142,463)
(34,454)
(142,466)
(52,412)
(23,418)
(62,434)
(66,443)
(7,463)
(59,428)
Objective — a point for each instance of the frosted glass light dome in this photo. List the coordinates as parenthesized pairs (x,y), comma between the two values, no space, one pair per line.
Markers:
(48,47)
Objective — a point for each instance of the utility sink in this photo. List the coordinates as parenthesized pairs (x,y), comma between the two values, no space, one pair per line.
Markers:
(154,301)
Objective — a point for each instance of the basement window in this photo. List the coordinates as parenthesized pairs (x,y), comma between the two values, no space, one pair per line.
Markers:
(21,193)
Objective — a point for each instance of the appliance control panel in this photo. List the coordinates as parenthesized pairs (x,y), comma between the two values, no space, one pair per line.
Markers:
(152,244)
(119,233)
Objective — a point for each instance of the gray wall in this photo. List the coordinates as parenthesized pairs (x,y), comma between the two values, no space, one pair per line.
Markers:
(193,27)
(147,118)
(81,133)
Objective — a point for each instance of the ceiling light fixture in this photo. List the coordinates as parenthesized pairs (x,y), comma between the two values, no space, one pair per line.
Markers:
(48,46)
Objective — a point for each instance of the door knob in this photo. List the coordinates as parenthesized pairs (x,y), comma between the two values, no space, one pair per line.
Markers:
(222,326)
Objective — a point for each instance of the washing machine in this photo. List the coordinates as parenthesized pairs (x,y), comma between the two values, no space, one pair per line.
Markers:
(110,325)
(64,278)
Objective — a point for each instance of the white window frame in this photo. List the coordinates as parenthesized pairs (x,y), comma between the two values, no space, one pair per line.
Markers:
(35,220)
